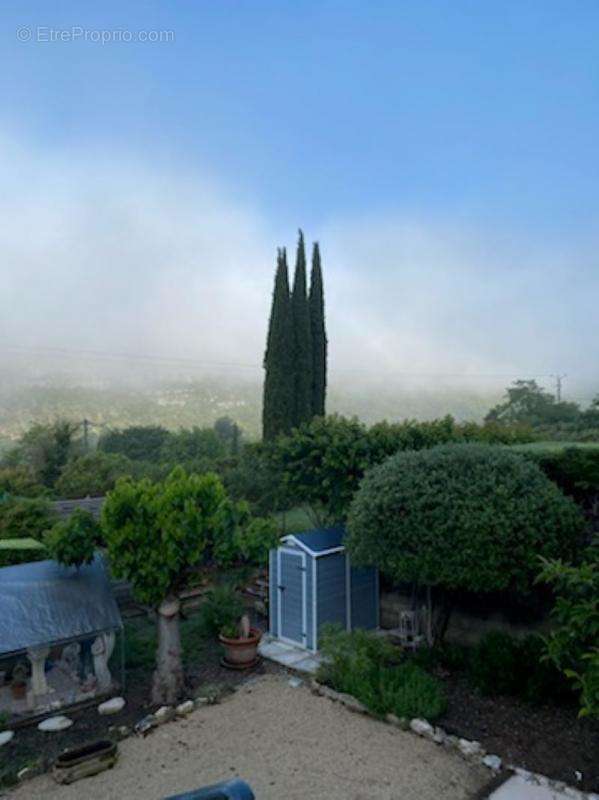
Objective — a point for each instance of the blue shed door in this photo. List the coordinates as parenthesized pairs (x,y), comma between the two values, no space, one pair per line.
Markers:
(292,596)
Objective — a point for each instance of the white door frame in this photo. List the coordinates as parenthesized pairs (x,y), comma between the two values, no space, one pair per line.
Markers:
(304,637)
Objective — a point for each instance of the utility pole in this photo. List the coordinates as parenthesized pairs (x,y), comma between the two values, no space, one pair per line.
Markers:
(558,387)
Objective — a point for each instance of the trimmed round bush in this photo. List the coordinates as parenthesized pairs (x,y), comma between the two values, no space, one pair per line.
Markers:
(469,516)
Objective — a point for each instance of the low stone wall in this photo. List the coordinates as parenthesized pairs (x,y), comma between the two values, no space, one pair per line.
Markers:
(463,628)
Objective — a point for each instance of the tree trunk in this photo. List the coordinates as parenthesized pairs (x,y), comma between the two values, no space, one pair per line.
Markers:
(168,676)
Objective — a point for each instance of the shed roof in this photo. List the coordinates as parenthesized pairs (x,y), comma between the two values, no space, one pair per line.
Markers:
(43,602)
(319,540)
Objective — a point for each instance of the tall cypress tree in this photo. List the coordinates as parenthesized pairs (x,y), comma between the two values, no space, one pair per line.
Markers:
(278,406)
(319,335)
(302,345)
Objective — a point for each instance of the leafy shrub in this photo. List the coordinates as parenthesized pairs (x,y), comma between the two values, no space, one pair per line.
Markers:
(371,670)
(257,539)
(461,517)
(572,645)
(73,541)
(502,664)
(138,442)
(240,539)
(19,482)
(494,662)
(322,462)
(221,608)
(22,518)
(93,474)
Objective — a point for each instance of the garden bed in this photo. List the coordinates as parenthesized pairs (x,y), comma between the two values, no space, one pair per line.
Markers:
(548,739)
(204,674)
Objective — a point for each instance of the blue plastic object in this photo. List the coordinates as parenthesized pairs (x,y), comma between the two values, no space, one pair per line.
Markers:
(228,790)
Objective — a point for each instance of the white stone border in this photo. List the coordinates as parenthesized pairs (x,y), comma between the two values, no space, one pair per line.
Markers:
(472,750)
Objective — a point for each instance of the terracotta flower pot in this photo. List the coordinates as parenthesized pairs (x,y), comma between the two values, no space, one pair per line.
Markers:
(241,653)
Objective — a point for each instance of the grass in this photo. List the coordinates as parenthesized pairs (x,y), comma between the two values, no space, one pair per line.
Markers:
(553,446)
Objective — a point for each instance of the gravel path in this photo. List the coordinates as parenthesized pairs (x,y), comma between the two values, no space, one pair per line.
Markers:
(287,743)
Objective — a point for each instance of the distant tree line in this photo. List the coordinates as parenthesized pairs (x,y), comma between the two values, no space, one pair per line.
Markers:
(527,403)
(295,360)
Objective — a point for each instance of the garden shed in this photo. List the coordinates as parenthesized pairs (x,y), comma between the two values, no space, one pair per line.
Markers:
(311,582)
(59,627)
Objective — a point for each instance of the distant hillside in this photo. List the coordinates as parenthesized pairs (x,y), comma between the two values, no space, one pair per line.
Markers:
(201,402)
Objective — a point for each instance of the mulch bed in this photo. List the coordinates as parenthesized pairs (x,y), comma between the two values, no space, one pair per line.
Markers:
(548,739)
(33,747)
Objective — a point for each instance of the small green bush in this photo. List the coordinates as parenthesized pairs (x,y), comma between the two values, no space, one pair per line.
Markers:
(222,607)
(372,670)
(73,541)
(502,664)
(494,664)
(22,518)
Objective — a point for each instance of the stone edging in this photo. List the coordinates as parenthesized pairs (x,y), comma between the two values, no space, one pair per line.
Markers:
(471,750)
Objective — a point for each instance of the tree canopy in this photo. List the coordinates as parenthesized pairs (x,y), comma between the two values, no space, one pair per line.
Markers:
(471,517)
(155,532)
(73,541)
(322,462)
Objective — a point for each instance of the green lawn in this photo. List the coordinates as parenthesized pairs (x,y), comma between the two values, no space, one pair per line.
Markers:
(553,447)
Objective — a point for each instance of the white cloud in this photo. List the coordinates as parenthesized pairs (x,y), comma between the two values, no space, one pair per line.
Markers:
(120,256)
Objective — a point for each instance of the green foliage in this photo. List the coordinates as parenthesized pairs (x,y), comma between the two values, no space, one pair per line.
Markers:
(24,518)
(73,541)
(278,402)
(240,538)
(93,474)
(318,335)
(156,532)
(222,607)
(44,450)
(494,662)
(322,462)
(526,402)
(501,664)
(573,644)
(470,517)
(256,540)
(197,449)
(252,477)
(575,470)
(138,442)
(302,340)
(233,517)
(19,482)
(371,670)
(229,434)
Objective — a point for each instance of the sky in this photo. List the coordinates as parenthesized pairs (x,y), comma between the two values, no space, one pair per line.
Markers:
(153,155)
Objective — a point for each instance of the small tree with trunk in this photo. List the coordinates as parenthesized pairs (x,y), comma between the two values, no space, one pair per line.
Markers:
(155,533)
(463,517)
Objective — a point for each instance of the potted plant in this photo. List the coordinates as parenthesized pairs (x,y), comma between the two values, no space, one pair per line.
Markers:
(240,642)
(18,684)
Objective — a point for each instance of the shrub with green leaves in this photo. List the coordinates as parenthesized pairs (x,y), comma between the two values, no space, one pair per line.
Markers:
(372,670)
(461,517)
(22,518)
(573,644)
(222,607)
(73,541)
(501,664)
